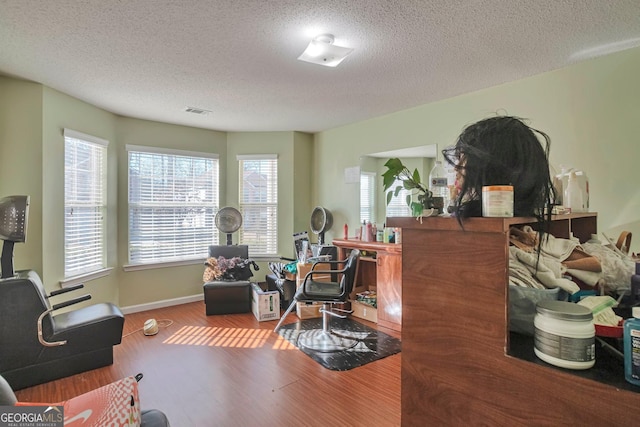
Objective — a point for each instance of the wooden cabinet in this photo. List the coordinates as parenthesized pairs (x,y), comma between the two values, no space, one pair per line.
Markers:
(389,289)
(456,369)
(382,273)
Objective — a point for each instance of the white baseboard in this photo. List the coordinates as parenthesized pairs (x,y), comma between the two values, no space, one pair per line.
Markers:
(160,304)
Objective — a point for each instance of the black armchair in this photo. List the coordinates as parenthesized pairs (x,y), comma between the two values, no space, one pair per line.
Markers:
(229,296)
(315,288)
(38,346)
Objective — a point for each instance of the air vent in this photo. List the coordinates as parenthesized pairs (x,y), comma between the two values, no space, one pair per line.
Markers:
(195,110)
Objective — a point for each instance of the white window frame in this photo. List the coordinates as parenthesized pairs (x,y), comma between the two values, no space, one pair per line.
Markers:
(85,207)
(368,197)
(172,206)
(260,216)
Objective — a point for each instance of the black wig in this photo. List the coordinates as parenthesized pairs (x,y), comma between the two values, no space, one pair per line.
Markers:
(503,150)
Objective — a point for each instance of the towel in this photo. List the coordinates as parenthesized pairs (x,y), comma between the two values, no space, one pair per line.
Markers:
(549,277)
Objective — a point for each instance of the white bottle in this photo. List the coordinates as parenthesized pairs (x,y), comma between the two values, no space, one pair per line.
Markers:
(573,197)
(438,183)
(561,182)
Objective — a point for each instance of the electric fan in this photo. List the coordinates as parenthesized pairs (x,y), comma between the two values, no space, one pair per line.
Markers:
(321,221)
(228,220)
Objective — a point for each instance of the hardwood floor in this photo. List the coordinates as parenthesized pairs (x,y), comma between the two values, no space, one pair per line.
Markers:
(231,370)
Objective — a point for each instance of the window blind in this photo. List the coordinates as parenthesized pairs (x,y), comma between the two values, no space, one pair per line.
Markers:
(259,203)
(84,203)
(398,205)
(367,197)
(173,199)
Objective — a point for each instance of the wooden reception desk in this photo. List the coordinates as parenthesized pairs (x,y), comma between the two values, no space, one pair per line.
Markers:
(382,273)
(456,365)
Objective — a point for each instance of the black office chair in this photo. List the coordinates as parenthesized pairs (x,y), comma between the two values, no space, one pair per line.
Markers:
(315,289)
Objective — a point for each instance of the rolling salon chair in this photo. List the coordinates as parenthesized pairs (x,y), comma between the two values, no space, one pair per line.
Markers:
(228,296)
(327,339)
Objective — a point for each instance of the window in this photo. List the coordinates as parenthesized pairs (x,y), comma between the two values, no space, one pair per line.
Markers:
(398,205)
(173,199)
(85,203)
(259,203)
(368,197)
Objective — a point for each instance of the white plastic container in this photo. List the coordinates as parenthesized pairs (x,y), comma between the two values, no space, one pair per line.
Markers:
(573,195)
(561,182)
(564,334)
(497,201)
(439,183)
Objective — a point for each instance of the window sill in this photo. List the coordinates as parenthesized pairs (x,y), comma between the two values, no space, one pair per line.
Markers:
(154,265)
(66,283)
(265,257)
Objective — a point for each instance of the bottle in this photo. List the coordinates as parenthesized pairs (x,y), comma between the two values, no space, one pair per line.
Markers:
(346,231)
(398,235)
(438,184)
(631,338)
(573,198)
(635,286)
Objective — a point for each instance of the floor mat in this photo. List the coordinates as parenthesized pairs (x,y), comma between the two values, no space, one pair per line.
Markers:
(371,344)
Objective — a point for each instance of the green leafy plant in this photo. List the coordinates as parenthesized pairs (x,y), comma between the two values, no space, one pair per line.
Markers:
(397,171)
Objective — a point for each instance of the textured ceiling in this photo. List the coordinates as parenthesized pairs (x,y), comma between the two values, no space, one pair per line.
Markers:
(150,59)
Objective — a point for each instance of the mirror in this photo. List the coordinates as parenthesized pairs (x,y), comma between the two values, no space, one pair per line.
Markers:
(371,170)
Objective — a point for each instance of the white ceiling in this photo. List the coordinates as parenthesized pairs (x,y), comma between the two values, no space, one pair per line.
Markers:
(150,59)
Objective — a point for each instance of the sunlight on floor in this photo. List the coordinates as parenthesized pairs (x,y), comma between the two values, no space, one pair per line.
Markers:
(226,337)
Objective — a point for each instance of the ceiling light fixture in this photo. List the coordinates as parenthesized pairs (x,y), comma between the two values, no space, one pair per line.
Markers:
(322,51)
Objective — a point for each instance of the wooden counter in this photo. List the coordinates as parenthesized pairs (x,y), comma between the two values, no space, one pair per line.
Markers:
(455,366)
(382,273)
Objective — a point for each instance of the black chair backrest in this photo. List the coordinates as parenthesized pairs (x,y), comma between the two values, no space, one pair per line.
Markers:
(349,276)
(232,251)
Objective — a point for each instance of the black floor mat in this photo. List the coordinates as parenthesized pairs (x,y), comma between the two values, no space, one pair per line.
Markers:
(372,344)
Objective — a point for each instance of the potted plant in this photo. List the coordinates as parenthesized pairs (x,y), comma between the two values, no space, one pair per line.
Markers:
(419,197)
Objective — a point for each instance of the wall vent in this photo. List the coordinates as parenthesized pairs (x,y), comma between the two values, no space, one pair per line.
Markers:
(195,110)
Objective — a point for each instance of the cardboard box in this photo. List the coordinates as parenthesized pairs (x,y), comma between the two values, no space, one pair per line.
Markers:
(364,311)
(303,269)
(308,311)
(265,305)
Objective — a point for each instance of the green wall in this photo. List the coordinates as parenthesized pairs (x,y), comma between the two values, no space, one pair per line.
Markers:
(61,111)
(173,281)
(294,179)
(21,159)
(32,121)
(590,110)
